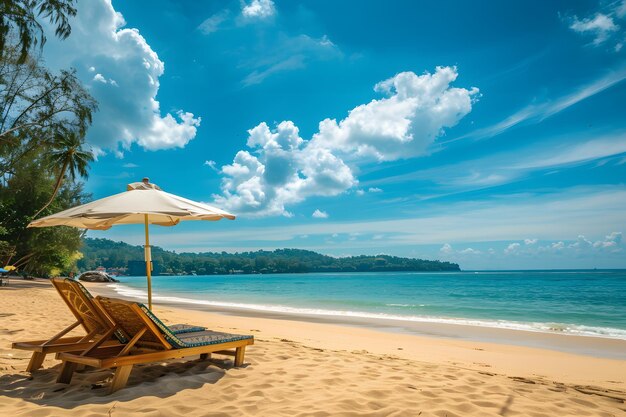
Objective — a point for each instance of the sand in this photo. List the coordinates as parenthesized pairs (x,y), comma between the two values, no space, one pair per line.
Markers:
(301,368)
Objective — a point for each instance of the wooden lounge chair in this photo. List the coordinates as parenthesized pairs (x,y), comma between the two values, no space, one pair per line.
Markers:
(90,316)
(150,341)
(87,314)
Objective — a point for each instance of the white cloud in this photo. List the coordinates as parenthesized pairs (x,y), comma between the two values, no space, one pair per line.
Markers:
(405,123)
(130,165)
(214,22)
(620,10)
(537,113)
(286,169)
(122,58)
(505,167)
(611,241)
(99,78)
(284,53)
(581,243)
(319,214)
(530,241)
(446,249)
(211,164)
(512,248)
(360,192)
(558,245)
(470,251)
(259,9)
(600,26)
(590,150)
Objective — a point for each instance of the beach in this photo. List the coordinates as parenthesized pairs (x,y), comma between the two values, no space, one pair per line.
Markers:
(311,368)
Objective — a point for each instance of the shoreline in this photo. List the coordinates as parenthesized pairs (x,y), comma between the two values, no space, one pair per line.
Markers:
(303,368)
(602,347)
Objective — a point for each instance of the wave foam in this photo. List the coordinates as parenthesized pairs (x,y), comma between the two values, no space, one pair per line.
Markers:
(561,328)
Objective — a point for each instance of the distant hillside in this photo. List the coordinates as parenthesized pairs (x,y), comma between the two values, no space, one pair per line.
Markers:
(118,255)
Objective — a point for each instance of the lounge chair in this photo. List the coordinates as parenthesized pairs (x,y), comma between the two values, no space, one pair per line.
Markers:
(90,316)
(150,341)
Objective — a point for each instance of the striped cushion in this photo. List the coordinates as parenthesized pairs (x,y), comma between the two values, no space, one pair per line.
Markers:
(185,328)
(192,339)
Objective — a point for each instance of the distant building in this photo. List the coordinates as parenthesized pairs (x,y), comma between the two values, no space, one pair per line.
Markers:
(138,268)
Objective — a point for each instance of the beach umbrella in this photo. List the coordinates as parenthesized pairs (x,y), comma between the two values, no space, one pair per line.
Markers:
(143,202)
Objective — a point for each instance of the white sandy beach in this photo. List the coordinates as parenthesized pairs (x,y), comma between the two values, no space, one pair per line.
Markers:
(299,368)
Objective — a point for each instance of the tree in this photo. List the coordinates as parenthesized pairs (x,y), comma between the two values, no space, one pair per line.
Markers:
(69,155)
(36,107)
(19,18)
(41,251)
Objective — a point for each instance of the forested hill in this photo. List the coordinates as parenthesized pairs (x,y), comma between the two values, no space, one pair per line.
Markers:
(117,255)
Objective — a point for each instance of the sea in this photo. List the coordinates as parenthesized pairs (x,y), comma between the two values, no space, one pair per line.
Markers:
(585,303)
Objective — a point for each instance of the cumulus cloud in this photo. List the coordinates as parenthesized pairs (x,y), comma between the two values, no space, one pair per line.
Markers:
(446,249)
(530,241)
(580,243)
(402,125)
(611,241)
(470,251)
(512,248)
(258,9)
(319,214)
(125,84)
(285,169)
(605,26)
(558,245)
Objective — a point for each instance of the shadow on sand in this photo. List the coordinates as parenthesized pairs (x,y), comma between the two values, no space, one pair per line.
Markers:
(90,386)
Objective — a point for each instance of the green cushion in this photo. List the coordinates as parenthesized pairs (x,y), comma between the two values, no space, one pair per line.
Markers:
(192,339)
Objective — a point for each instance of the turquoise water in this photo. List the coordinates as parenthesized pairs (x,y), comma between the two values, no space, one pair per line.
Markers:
(575,302)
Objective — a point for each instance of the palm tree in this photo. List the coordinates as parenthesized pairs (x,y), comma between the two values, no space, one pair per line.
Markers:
(68,153)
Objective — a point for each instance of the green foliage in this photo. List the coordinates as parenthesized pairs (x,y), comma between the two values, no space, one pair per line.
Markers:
(44,117)
(38,109)
(109,254)
(68,156)
(38,251)
(19,18)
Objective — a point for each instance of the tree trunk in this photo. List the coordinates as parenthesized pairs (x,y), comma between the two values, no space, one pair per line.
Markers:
(57,186)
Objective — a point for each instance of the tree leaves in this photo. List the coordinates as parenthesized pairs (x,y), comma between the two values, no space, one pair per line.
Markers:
(18,19)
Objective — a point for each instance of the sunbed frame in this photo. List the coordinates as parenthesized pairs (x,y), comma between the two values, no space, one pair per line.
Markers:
(93,320)
(148,343)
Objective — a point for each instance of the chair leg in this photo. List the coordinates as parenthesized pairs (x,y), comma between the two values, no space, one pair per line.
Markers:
(239,354)
(35,361)
(120,378)
(67,370)
(205,356)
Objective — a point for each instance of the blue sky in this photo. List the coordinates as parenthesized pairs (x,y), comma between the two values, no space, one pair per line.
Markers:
(494,137)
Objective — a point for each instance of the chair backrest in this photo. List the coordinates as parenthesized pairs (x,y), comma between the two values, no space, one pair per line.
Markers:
(132,318)
(80,303)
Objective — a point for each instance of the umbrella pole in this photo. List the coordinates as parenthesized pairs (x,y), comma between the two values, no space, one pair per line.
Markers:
(148,258)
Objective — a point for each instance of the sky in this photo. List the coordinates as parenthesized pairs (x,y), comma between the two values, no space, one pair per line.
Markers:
(491,136)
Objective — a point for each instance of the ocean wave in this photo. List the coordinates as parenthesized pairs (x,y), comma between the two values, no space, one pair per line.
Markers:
(560,328)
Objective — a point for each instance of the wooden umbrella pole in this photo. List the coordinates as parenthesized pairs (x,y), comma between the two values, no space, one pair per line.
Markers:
(148,258)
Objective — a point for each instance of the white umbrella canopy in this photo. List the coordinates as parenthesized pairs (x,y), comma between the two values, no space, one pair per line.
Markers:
(143,202)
